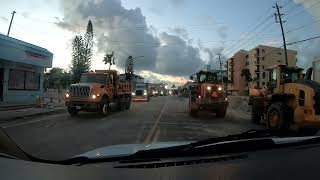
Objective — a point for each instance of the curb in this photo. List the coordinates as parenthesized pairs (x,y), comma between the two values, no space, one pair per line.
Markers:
(34,115)
(17,107)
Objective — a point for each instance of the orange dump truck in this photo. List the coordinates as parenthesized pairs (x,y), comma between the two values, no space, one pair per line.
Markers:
(99,91)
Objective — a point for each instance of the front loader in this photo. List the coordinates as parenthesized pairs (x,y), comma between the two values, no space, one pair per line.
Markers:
(289,101)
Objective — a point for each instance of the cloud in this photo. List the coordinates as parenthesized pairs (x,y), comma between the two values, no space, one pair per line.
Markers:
(126,32)
(182,32)
(177,58)
(307,51)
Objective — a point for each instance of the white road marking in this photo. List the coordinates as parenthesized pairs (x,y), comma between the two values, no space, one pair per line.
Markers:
(29,122)
(156,136)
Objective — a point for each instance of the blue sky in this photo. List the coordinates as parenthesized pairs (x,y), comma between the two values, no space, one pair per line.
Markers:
(207,20)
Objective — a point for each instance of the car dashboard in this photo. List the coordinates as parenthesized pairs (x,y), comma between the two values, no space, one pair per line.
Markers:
(294,163)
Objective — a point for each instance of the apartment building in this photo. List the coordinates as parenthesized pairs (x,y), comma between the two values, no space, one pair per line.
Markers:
(236,63)
(258,60)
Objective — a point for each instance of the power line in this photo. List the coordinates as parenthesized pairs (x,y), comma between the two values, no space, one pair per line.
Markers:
(300,41)
(304,10)
(143,27)
(302,27)
(295,42)
(253,36)
(293,8)
(286,4)
(232,47)
(249,34)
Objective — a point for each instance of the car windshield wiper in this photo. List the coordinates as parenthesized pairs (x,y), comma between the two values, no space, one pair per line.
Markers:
(247,141)
(254,133)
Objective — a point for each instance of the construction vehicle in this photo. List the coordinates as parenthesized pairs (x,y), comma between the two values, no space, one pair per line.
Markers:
(99,91)
(208,93)
(290,101)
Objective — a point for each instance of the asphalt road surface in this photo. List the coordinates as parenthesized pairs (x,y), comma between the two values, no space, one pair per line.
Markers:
(162,119)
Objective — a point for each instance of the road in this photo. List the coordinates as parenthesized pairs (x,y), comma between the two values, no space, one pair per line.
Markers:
(162,119)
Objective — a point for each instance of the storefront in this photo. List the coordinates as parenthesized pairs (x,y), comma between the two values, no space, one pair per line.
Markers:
(21,70)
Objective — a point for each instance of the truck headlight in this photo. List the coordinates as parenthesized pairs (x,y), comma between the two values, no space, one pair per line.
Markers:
(67,95)
(219,88)
(94,96)
(209,88)
(133,94)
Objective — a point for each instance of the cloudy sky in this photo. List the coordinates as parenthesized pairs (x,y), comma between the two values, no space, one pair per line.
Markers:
(176,37)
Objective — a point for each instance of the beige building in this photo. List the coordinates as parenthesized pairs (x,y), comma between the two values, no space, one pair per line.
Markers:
(237,85)
(257,60)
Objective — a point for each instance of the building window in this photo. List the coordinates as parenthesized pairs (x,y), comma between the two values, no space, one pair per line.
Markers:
(247,63)
(262,50)
(32,81)
(264,75)
(263,83)
(247,56)
(16,79)
(279,53)
(23,80)
(263,67)
(262,58)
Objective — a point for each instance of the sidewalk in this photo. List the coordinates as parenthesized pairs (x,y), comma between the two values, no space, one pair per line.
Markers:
(7,115)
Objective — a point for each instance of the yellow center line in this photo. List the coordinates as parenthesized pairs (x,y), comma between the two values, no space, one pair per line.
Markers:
(148,138)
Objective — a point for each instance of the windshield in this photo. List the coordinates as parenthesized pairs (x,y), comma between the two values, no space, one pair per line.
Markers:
(208,77)
(94,78)
(78,75)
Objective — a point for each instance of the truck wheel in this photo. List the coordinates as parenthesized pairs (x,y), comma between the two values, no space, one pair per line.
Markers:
(72,111)
(193,108)
(121,103)
(127,103)
(221,112)
(278,116)
(104,106)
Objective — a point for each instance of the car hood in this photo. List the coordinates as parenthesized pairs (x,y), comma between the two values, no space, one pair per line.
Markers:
(127,149)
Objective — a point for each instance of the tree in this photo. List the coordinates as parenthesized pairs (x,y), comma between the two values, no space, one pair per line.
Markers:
(109,59)
(88,42)
(173,86)
(247,76)
(82,53)
(57,78)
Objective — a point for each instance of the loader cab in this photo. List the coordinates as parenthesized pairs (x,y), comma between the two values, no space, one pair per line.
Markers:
(280,75)
(205,77)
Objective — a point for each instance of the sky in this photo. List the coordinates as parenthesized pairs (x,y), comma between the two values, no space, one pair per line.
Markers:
(176,37)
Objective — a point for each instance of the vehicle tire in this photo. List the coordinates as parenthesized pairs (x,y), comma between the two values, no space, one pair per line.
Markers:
(257,110)
(104,106)
(127,103)
(72,111)
(193,108)
(221,112)
(121,103)
(279,116)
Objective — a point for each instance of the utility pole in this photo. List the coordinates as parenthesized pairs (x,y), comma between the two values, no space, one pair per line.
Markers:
(283,37)
(220,62)
(227,83)
(11,22)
